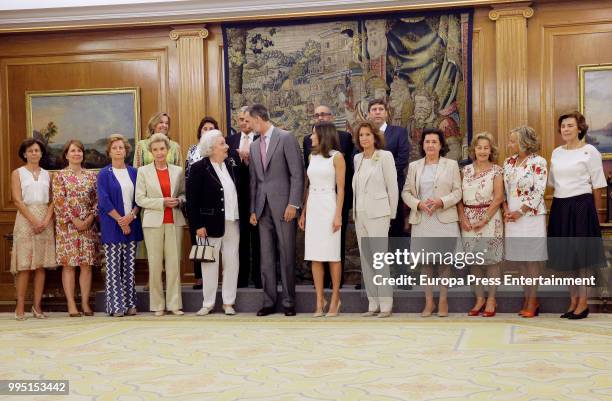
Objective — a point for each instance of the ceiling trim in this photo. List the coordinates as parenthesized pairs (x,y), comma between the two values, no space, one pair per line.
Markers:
(198,12)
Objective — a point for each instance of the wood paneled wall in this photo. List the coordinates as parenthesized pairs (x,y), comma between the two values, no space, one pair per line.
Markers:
(63,61)
(561,36)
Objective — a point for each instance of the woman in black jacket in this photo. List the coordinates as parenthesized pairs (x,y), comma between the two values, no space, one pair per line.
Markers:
(212,200)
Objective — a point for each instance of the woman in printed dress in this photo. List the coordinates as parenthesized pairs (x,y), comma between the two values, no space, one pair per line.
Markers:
(525,175)
(482,227)
(76,236)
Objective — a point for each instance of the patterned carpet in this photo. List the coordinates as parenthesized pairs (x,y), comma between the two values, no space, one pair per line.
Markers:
(281,359)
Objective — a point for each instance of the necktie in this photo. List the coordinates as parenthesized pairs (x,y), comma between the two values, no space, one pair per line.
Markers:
(244,149)
(262,150)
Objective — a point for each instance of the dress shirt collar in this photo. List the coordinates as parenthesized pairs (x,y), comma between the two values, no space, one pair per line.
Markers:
(383,128)
(268,133)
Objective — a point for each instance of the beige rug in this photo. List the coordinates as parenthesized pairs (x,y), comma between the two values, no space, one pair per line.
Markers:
(347,358)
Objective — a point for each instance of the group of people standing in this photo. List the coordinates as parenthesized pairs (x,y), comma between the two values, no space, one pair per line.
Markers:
(246,198)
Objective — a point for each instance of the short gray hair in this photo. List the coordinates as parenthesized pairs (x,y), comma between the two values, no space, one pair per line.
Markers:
(244,109)
(159,137)
(207,141)
(528,141)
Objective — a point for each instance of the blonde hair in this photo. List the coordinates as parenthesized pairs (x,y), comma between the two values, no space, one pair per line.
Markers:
(159,137)
(114,138)
(156,119)
(489,137)
(528,140)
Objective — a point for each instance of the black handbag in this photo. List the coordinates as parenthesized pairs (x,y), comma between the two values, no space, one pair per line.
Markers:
(202,252)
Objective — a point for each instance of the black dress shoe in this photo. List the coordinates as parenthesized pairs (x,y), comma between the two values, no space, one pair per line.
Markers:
(358,287)
(258,286)
(197,286)
(289,311)
(266,310)
(581,315)
(566,315)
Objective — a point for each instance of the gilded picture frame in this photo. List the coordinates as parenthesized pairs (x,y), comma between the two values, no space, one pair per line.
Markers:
(595,103)
(89,115)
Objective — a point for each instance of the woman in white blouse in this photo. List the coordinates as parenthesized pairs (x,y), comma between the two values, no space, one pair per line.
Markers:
(577,176)
(33,238)
(214,215)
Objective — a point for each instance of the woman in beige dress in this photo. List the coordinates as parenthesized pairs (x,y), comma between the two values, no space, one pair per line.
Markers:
(33,239)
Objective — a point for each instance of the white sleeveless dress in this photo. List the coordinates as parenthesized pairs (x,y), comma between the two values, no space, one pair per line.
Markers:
(321,243)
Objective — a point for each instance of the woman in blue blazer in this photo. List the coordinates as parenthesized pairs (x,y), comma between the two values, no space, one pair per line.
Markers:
(120,227)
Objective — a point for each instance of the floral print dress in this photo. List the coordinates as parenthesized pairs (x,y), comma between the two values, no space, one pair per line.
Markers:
(75,197)
(477,196)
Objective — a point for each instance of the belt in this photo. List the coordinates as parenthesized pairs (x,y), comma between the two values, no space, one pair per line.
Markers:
(477,206)
(322,190)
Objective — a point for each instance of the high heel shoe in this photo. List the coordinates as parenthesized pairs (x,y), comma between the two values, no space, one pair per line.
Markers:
(41,315)
(428,313)
(490,314)
(321,312)
(336,313)
(20,318)
(476,312)
(579,316)
(567,314)
(529,314)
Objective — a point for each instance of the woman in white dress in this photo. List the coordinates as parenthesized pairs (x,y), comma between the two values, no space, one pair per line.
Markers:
(525,210)
(33,237)
(322,214)
(432,191)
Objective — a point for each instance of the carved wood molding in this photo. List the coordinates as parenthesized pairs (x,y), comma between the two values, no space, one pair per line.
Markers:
(201,33)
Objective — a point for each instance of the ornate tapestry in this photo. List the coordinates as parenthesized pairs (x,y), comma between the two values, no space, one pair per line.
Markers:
(421,64)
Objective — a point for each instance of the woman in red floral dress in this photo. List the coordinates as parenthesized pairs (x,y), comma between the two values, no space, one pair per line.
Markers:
(76,236)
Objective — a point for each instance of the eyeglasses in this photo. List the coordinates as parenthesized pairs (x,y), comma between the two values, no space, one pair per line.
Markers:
(317,115)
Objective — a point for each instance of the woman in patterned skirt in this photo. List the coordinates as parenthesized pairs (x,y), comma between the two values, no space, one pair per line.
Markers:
(482,227)
(120,227)
(33,239)
(77,241)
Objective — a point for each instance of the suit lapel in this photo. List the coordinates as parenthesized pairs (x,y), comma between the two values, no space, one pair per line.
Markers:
(441,165)
(155,179)
(375,160)
(274,140)
(255,156)
(211,171)
(419,171)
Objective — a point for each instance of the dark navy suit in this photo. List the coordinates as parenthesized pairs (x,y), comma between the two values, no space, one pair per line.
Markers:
(396,142)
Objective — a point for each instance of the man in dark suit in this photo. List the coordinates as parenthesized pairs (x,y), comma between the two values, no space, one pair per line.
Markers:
(239,144)
(396,142)
(324,113)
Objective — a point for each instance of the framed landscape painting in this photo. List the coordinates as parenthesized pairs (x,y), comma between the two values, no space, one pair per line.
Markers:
(596,105)
(90,116)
